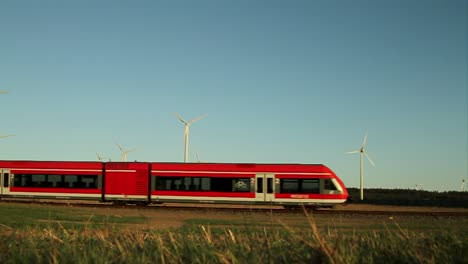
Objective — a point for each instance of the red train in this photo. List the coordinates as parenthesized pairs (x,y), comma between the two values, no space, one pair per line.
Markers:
(156,182)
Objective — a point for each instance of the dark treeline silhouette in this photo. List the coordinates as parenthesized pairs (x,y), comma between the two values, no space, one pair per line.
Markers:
(410,197)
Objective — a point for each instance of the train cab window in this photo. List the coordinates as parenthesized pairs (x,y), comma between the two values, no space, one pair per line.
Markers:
(329,185)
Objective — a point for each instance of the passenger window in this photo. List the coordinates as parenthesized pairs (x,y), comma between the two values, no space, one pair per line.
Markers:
(310,186)
(241,185)
(289,186)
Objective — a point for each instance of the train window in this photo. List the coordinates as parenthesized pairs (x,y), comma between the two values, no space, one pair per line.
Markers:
(221,184)
(188,184)
(300,186)
(22,180)
(202,184)
(71,180)
(162,183)
(269,185)
(38,180)
(56,181)
(89,181)
(260,185)
(6,179)
(241,185)
(205,184)
(289,186)
(177,184)
(310,186)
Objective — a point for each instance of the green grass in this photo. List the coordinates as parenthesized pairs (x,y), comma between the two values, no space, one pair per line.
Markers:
(27,216)
(99,238)
(204,245)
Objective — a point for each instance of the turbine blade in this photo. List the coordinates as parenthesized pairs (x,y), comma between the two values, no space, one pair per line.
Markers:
(120,147)
(4,136)
(197,118)
(352,152)
(3,92)
(364,141)
(180,118)
(368,158)
(130,150)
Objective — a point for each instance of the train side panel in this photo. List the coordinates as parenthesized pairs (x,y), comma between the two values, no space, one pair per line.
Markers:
(126,181)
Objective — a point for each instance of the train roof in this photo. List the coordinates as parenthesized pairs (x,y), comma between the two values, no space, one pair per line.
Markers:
(252,167)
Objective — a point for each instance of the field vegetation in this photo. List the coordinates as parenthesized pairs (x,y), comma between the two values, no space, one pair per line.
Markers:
(45,234)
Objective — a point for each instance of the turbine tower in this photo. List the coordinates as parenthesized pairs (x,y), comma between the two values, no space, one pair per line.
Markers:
(362,152)
(124,152)
(186,131)
(462,187)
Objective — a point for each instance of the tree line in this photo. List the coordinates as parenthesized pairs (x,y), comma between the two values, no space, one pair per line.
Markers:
(409,197)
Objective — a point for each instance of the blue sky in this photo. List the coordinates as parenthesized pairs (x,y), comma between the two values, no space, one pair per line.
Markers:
(281,82)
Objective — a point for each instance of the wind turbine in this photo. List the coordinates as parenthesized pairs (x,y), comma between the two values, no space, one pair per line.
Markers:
(362,152)
(462,187)
(3,92)
(124,152)
(198,158)
(186,131)
(99,157)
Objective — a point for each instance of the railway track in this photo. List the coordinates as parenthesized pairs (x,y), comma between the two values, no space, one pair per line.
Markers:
(240,209)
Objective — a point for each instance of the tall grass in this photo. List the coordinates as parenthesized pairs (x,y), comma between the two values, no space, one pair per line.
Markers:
(205,244)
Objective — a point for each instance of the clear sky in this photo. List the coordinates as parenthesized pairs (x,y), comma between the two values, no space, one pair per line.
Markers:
(281,82)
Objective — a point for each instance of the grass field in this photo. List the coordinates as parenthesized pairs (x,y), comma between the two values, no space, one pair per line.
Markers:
(46,234)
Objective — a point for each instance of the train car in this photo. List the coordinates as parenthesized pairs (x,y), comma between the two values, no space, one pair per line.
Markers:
(144,182)
(281,184)
(51,179)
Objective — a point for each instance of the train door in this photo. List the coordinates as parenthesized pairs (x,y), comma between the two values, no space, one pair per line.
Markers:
(4,182)
(264,189)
